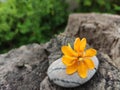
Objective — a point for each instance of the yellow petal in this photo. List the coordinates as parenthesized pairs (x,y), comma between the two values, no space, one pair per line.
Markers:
(72,69)
(90,52)
(82,44)
(68,51)
(82,70)
(67,60)
(89,63)
(77,44)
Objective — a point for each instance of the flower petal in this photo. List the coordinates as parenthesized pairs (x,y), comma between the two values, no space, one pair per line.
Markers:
(82,44)
(90,52)
(68,51)
(72,69)
(89,63)
(67,60)
(77,44)
(82,70)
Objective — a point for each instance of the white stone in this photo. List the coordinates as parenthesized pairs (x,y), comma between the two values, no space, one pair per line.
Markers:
(57,73)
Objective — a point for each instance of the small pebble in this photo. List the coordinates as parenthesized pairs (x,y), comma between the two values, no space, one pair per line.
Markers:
(57,73)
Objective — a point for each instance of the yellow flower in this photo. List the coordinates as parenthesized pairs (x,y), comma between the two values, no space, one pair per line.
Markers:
(78,60)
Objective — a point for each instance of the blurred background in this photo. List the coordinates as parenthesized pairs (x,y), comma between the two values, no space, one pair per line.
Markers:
(36,21)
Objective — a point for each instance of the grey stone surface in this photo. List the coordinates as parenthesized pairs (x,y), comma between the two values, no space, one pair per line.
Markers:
(57,74)
(101,30)
(23,68)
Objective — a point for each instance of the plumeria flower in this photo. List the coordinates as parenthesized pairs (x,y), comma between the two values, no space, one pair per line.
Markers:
(78,59)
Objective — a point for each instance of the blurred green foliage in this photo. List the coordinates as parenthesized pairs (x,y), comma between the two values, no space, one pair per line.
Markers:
(36,21)
(29,21)
(100,6)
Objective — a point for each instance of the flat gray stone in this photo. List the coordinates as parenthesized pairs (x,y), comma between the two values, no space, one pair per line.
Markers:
(57,73)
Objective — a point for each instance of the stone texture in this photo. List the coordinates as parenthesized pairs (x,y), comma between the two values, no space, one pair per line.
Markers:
(106,78)
(101,30)
(25,68)
(57,74)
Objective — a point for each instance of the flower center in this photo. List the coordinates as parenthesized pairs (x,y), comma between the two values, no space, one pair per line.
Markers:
(80,59)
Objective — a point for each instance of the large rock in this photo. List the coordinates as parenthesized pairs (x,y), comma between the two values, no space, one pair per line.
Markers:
(25,68)
(101,30)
